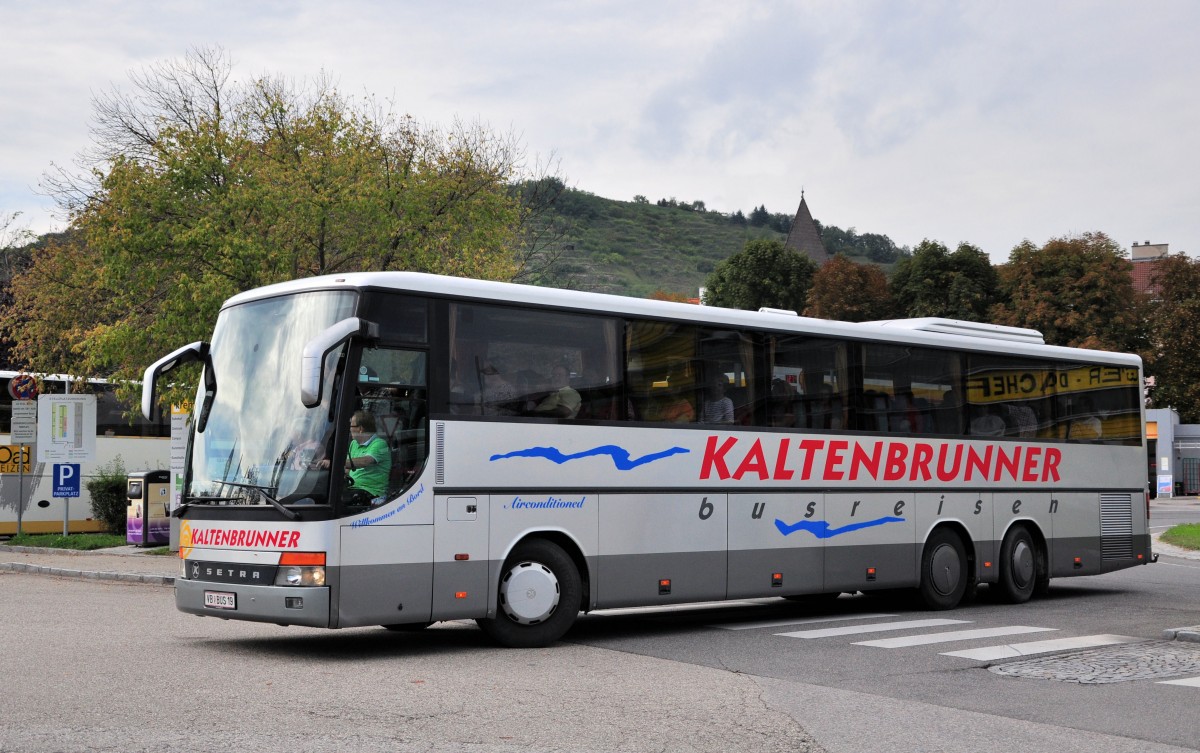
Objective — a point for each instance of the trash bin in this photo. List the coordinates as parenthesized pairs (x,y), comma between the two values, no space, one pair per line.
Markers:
(147,518)
(1178,488)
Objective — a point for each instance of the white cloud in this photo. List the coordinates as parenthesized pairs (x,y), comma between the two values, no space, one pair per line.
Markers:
(981,122)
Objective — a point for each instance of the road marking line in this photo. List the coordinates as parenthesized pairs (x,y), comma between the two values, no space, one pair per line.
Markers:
(954,635)
(802,621)
(876,628)
(1193,682)
(1012,650)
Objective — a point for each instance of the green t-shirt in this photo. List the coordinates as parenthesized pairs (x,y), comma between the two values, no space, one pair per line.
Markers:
(373,478)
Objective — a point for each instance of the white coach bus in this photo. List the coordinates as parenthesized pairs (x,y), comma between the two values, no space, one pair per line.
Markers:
(549,452)
(122,437)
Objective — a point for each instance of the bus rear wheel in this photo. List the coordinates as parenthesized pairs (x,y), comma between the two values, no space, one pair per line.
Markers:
(943,570)
(539,597)
(1022,566)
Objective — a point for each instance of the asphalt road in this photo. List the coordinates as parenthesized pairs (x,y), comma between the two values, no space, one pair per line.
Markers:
(96,665)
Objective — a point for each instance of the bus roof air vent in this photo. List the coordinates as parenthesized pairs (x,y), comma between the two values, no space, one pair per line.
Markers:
(769,310)
(966,329)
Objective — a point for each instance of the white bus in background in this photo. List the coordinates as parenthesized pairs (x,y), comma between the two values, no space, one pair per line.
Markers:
(922,454)
(120,434)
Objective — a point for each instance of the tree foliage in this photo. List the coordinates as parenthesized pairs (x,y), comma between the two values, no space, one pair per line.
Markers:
(936,282)
(199,188)
(1173,320)
(872,246)
(763,273)
(1078,291)
(849,292)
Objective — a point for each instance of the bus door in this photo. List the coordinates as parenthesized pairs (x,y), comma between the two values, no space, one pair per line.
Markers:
(387,537)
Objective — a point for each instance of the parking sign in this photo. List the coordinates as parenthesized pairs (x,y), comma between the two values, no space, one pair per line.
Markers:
(66,480)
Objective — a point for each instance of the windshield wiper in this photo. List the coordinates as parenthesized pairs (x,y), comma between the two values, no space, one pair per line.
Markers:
(265,491)
(199,499)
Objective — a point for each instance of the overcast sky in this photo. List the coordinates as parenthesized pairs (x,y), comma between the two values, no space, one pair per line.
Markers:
(984,122)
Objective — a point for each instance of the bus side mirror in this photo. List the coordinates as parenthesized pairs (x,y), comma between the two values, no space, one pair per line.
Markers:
(312,361)
(196,351)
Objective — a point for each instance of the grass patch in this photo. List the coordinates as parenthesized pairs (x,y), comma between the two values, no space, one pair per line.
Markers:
(1186,536)
(78,541)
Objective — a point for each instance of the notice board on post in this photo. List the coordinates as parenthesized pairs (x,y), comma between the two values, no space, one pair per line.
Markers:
(66,429)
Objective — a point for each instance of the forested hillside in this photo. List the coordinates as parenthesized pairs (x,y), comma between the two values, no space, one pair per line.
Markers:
(639,247)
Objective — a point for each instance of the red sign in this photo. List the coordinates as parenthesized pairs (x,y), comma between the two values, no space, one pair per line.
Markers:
(22,387)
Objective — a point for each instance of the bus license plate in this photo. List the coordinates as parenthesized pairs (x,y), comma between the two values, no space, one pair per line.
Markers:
(220,600)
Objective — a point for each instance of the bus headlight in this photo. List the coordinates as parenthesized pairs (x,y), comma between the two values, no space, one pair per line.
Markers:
(300,575)
(301,569)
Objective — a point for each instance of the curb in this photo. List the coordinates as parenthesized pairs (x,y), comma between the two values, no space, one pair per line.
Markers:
(24,567)
(66,572)
(1191,634)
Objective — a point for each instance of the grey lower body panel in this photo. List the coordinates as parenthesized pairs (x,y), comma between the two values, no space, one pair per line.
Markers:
(1092,555)
(257,603)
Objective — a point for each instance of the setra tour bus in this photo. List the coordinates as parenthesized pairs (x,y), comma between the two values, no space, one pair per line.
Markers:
(398,449)
(123,440)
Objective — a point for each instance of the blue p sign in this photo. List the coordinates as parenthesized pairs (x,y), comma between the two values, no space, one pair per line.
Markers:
(66,480)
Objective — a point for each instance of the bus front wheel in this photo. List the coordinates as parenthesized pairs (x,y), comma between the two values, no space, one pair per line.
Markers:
(1022,566)
(943,570)
(539,596)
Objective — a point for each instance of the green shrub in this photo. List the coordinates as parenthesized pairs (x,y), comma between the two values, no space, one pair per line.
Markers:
(108,488)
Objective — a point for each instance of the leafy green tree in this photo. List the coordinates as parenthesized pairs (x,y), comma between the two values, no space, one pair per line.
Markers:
(760,216)
(935,282)
(1173,324)
(849,292)
(1077,291)
(200,188)
(763,273)
(873,246)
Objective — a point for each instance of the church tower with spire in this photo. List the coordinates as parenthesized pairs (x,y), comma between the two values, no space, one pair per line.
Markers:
(804,236)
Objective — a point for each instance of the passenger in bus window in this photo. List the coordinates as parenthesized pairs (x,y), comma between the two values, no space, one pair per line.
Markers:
(1024,418)
(949,414)
(499,395)
(672,406)
(1085,424)
(564,401)
(986,422)
(718,409)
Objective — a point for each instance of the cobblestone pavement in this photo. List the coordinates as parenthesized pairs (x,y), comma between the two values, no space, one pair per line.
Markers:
(1152,660)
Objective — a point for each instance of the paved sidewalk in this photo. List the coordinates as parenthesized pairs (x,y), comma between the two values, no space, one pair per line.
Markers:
(128,564)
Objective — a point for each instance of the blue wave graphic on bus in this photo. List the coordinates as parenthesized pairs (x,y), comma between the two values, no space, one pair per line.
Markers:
(821,529)
(620,456)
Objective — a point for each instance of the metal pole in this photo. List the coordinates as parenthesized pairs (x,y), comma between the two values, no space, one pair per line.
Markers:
(20,486)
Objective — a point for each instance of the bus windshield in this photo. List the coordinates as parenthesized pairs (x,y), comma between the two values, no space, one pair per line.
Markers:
(260,444)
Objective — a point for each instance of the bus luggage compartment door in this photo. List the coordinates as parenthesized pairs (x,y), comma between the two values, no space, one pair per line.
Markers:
(460,557)
(386,575)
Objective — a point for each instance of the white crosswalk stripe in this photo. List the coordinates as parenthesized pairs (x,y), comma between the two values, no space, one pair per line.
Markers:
(1192,682)
(951,636)
(878,627)
(1013,650)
